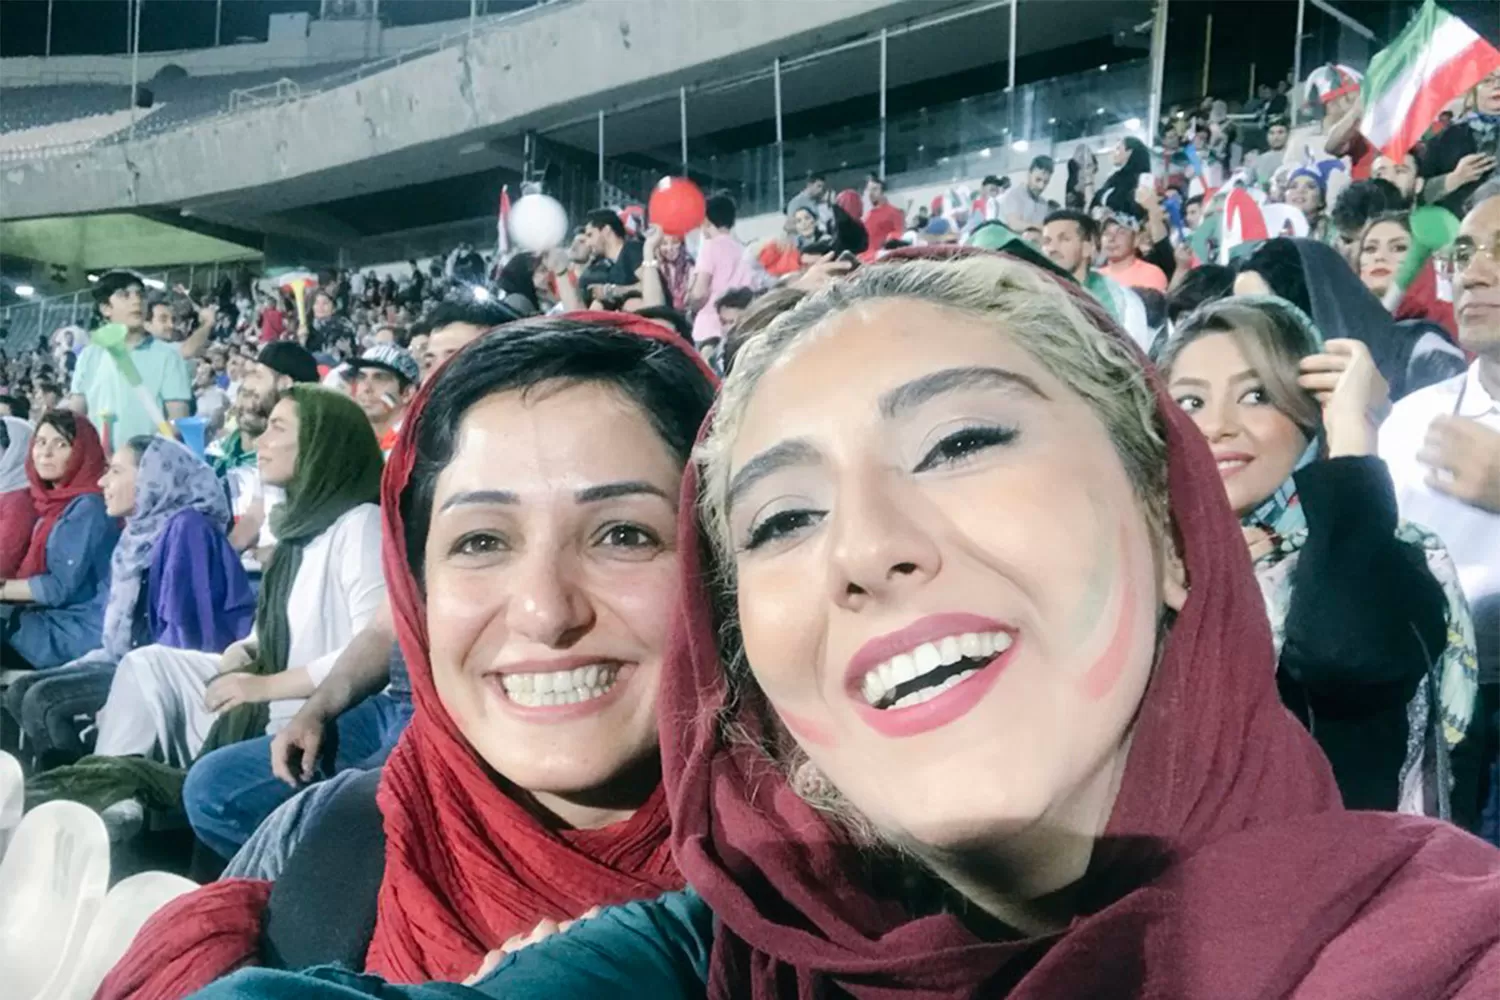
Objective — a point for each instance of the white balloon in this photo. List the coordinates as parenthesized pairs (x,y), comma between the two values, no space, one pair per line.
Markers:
(538,222)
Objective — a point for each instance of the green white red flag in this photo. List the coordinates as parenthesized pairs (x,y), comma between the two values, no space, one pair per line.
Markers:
(1434,60)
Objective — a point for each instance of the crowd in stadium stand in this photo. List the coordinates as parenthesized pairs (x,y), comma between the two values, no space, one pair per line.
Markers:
(933,665)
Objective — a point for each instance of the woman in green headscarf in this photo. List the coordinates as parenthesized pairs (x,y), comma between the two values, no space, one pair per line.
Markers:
(322,585)
(1371,628)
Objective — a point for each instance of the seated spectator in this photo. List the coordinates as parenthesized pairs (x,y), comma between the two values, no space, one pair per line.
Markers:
(13,405)
(277,368)
(17,512)
(1401,174)
(987,204)
(46,396)
(52,608)
(211,403)
(453,325)
(1204,283)
(1382,253)
(1463,155)
(721,266)
(814,198)
(1361,606)
(612,277)
(1307,191)
(883,221)
(1084,790)
(1070,240)
(1122,259)
(1023,205)
(1442,444)
(732,305)
(174,580)
(1315,279)
(323,583)
(1356,206)
(101,391)
(327,331)
(527,786)
(385,379)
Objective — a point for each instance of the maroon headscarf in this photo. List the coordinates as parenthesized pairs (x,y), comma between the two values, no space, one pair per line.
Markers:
(465,866)
(1227,869)
(80,477)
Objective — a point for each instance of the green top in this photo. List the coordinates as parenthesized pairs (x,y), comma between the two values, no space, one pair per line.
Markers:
(100,382)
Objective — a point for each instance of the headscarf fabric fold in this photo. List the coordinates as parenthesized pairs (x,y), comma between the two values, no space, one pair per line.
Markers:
(466,867)
(338,468)
(169,480)
(1227,867)
(80,478)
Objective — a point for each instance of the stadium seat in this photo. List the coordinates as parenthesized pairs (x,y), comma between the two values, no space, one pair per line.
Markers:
(127,907)
(12,798)
(52,882)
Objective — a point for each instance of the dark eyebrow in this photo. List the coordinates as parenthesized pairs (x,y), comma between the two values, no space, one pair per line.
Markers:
(775,458)
(479,497)
(589,494)
(1247,375)
(920,390)
(625,488)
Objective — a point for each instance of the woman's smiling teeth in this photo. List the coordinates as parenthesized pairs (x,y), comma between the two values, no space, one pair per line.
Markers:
(931,668)
(561,687)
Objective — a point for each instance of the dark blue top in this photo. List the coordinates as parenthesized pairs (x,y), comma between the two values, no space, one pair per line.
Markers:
(66,616)
(656,949)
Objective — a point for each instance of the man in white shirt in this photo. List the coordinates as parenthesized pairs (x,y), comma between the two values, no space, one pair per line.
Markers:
(1442,445)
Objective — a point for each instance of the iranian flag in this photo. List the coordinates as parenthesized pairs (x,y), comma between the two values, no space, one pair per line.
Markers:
(502,225)
(1434,60)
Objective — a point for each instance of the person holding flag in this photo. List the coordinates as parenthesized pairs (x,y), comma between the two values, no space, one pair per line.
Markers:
(1436,59)
(127,382)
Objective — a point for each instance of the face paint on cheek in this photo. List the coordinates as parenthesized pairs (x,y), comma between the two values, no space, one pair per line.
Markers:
(1105,673)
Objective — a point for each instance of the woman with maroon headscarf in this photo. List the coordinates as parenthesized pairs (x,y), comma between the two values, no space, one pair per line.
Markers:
(974,697)
(530,522)
(52,607)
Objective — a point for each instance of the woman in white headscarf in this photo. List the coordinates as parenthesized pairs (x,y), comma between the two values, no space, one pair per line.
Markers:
(17,514)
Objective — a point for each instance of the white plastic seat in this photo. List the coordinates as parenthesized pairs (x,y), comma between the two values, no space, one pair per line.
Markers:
(12,798)
(52,883)
(127,907)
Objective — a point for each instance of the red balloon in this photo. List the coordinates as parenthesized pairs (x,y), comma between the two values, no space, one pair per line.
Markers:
(677,206)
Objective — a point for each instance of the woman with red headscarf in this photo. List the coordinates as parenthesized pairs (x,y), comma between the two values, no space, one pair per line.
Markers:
(530,551)
(974,696)
(52,611)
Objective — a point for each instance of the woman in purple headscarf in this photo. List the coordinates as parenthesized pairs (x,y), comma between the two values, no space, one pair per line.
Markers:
(174,580)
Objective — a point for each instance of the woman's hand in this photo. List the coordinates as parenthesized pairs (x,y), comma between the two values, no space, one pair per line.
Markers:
(540,932)
(296,747)
(651,249)
(1257,541)
(1470,169)
(232,690)
(1354,395)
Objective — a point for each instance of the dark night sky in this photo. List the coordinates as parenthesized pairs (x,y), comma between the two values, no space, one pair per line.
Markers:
(99,26)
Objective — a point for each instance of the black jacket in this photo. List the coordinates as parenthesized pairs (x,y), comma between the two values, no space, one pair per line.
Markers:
(1365,621)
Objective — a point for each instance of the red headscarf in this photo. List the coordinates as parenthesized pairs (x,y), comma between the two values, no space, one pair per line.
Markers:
(1421,301)
(1227,868)
(465,866)
(80,478)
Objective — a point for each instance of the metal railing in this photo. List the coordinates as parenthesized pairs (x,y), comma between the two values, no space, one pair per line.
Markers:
(267,94)
(483,25)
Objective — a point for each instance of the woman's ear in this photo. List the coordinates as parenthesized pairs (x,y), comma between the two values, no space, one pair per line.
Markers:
(1174,581)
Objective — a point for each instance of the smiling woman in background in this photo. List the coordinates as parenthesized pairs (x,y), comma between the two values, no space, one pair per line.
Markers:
(1361,605)
(531,548)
